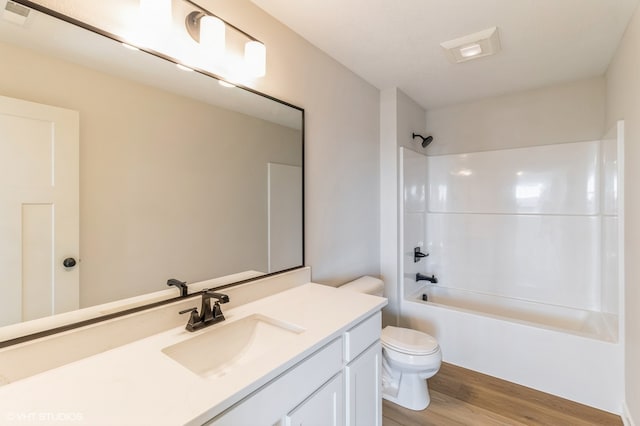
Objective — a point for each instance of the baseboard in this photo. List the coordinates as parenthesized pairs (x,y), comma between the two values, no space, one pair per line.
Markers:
(626,416)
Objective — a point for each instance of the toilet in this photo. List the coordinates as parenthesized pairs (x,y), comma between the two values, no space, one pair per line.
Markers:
(409,357)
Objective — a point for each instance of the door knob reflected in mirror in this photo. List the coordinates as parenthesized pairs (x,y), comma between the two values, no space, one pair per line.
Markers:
(69,262)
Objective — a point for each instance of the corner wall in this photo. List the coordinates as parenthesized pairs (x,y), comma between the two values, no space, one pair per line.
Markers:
(400,116)
(623,102)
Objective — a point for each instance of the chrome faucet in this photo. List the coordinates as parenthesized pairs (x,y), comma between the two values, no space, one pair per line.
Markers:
(208,315)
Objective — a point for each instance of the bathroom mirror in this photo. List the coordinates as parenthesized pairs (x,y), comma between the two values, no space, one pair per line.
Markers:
(176,176)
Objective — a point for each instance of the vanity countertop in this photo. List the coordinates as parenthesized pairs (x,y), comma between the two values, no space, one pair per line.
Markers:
(139,384)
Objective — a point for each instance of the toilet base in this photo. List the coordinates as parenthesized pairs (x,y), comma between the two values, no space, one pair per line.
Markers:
(412,393)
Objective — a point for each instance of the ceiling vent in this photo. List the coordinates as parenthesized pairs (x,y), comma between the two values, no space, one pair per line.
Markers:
(472,46)
(16,13)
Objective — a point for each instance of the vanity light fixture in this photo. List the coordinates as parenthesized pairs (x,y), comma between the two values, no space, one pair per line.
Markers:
(210,32)
(255,57)
(472,46)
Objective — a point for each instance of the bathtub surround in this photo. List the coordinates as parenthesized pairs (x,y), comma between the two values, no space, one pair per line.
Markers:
(514,238)
(523,223)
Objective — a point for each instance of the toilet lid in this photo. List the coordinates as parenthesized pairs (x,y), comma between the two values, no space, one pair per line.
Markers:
(408,341)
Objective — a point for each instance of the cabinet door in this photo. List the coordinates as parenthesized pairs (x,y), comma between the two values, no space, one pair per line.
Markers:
(363,389)
(323,408)
(270,404)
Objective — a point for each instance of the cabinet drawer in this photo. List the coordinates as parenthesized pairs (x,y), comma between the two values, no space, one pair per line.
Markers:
(269,404)
(362,336)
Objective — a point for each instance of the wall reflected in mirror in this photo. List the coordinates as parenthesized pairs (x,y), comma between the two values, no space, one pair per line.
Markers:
(178,177)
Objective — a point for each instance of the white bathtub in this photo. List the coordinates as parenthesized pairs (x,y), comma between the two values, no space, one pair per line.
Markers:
(567,352)
(591,324)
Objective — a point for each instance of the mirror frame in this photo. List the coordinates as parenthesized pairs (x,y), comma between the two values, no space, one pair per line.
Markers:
(99,318)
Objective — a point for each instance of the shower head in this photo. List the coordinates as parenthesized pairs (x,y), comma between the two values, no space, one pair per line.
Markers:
(425,141)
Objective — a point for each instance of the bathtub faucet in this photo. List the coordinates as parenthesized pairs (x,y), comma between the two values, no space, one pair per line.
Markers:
(432,279)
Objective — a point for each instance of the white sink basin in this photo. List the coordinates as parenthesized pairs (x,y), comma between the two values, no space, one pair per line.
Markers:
(226,346)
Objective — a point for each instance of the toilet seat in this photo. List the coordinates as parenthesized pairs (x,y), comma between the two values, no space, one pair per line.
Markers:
(408,341)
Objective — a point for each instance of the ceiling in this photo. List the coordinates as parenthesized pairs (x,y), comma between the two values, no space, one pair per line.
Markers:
(397,43)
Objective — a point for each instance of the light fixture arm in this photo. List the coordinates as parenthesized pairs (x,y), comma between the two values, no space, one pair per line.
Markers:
(209,31)
(192,22)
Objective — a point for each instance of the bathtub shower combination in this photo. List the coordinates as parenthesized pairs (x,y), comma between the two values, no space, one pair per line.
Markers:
(526,247)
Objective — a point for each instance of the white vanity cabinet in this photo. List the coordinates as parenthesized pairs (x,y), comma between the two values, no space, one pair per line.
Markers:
(337,385)
(363,389)
(324,407)
(362,374)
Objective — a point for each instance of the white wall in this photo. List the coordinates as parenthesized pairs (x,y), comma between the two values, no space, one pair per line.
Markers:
(341,140)
(341,144)
(623,102)
(389,203)
(568,112)
(400,116)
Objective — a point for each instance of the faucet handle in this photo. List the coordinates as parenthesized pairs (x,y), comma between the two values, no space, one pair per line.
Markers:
(193,319)
(216,311)
(417,254)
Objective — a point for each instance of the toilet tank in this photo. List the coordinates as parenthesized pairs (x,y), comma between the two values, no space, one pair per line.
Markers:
(366,284)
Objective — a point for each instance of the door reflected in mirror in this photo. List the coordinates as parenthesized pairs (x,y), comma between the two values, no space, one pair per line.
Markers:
(175,175)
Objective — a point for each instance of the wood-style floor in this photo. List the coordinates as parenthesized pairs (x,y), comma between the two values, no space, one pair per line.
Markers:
(464,397)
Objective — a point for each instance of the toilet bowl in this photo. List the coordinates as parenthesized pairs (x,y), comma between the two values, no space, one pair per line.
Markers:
(409,357)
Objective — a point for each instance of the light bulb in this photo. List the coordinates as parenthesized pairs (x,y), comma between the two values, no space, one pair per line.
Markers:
(470,50)
(255,57)
(155,20)
(212,35)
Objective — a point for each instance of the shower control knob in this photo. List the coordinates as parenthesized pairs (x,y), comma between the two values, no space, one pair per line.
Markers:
(417,254)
